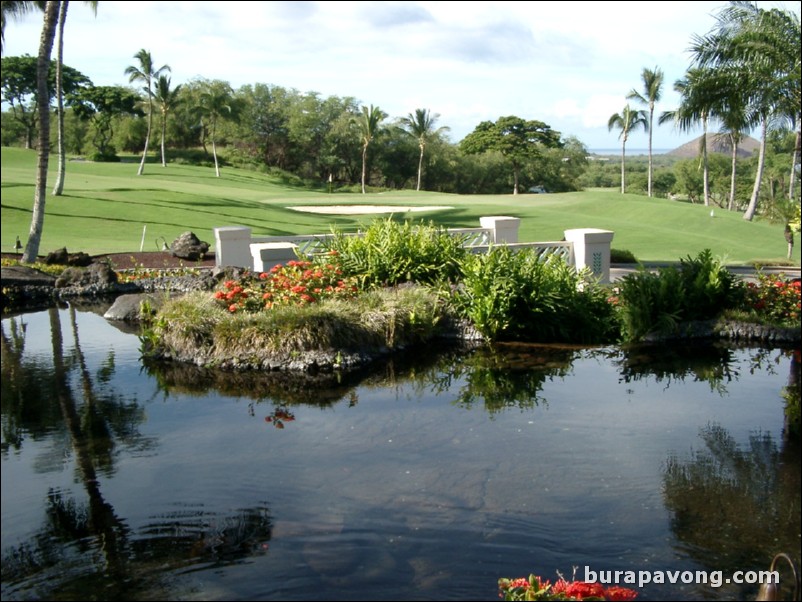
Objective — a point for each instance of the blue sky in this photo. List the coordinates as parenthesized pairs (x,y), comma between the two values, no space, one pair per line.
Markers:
(569,64)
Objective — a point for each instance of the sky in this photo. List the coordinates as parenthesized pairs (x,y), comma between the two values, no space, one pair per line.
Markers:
(568,64)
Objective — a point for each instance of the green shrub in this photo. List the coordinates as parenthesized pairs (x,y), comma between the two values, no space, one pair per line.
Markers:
(391,253)
(622,256)
(510,295)
(701,288)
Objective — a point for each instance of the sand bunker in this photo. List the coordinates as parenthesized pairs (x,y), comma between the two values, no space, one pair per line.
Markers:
(362,209)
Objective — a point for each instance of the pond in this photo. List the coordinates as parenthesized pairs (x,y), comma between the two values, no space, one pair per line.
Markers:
(425,478)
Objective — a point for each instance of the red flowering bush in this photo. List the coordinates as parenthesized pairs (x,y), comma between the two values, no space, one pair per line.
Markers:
(293,283)
(536,588)
(775,298)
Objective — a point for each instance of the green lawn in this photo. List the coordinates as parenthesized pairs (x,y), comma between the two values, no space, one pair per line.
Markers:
(106,207)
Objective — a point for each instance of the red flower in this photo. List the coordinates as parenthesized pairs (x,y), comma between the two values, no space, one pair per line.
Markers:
(620,593)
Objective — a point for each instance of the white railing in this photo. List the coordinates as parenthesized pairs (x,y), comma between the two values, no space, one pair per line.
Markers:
(583,248)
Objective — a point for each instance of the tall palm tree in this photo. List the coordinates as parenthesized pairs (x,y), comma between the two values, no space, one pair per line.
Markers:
(216,101)
(421,126)
(368,124)
(698,93)
(652,92)
(43,151)
(62,159)
(627,121)
(764,46)
(167,99)
(145,73)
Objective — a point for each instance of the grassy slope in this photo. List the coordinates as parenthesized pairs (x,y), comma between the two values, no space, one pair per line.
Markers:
(105,207)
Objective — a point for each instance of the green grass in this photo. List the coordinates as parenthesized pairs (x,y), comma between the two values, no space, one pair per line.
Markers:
(106,206)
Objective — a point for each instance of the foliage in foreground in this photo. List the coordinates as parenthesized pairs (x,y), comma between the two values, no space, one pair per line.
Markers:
(535,588)
(700,288)
(510,295)
(389,253)
(197,328)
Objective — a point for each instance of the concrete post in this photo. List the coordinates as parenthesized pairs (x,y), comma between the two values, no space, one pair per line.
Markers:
(232,247)
(592,250)
(505,229)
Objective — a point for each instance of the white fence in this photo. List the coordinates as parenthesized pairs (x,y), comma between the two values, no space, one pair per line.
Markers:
(583,247)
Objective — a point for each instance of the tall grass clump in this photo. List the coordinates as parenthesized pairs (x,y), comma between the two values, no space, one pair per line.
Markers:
(510,295)
(390,253)
(700,288)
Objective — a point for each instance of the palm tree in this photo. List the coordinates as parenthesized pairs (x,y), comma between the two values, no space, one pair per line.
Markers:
(167,100)
(698,93)
(62,160)
(764,47)
(652,91)
(216,101)
(15,9)
(43,151)
(145,73)
(368,128)
(421,126)
(628,120)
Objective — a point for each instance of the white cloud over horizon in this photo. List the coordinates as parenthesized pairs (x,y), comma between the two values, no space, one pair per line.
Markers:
(569,64)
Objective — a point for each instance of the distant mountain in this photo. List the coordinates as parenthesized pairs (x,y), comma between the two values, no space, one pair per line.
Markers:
(716,143)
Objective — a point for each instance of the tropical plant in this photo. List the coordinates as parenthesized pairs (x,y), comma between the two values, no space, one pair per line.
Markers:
(167,99)
(421,125)
(145,73)
(518,140)
(216,102)
(763,47)
(627,121)
(652,92)
(43,150)
(368,123)
(390,253)
(15,9)
(519,295)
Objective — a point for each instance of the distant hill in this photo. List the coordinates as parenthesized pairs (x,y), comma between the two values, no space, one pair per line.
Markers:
(716,143)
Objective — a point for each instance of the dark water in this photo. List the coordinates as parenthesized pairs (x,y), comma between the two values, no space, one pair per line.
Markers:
(424,480)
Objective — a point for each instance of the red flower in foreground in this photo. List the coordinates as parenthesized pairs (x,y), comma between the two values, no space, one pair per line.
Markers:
(620,593)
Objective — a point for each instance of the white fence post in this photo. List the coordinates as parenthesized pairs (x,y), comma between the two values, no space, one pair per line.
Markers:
(232,247)
(505,229)
(592,250)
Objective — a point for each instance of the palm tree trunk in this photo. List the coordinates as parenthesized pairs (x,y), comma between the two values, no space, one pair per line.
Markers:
(43,105)
(761,164)
(214,150)
(147,136)
(62,165)
(420,166)
(164,131)
(794,161)
(706,167)
(623,155)
(651,123)
(734,144)
(364,165)
(515,171)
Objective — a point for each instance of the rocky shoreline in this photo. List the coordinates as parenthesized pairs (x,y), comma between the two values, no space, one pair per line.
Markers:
(25,289)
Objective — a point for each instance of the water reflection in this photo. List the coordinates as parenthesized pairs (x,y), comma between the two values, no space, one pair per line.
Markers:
(157,481)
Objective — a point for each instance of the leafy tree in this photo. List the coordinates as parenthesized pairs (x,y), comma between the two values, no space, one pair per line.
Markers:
(167,98)
(43,152)
(627,120)
(145,72)
(518,140)
(421,125)
(216,102)
(18,84)
(368,123)
(102,105)
(652,92)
